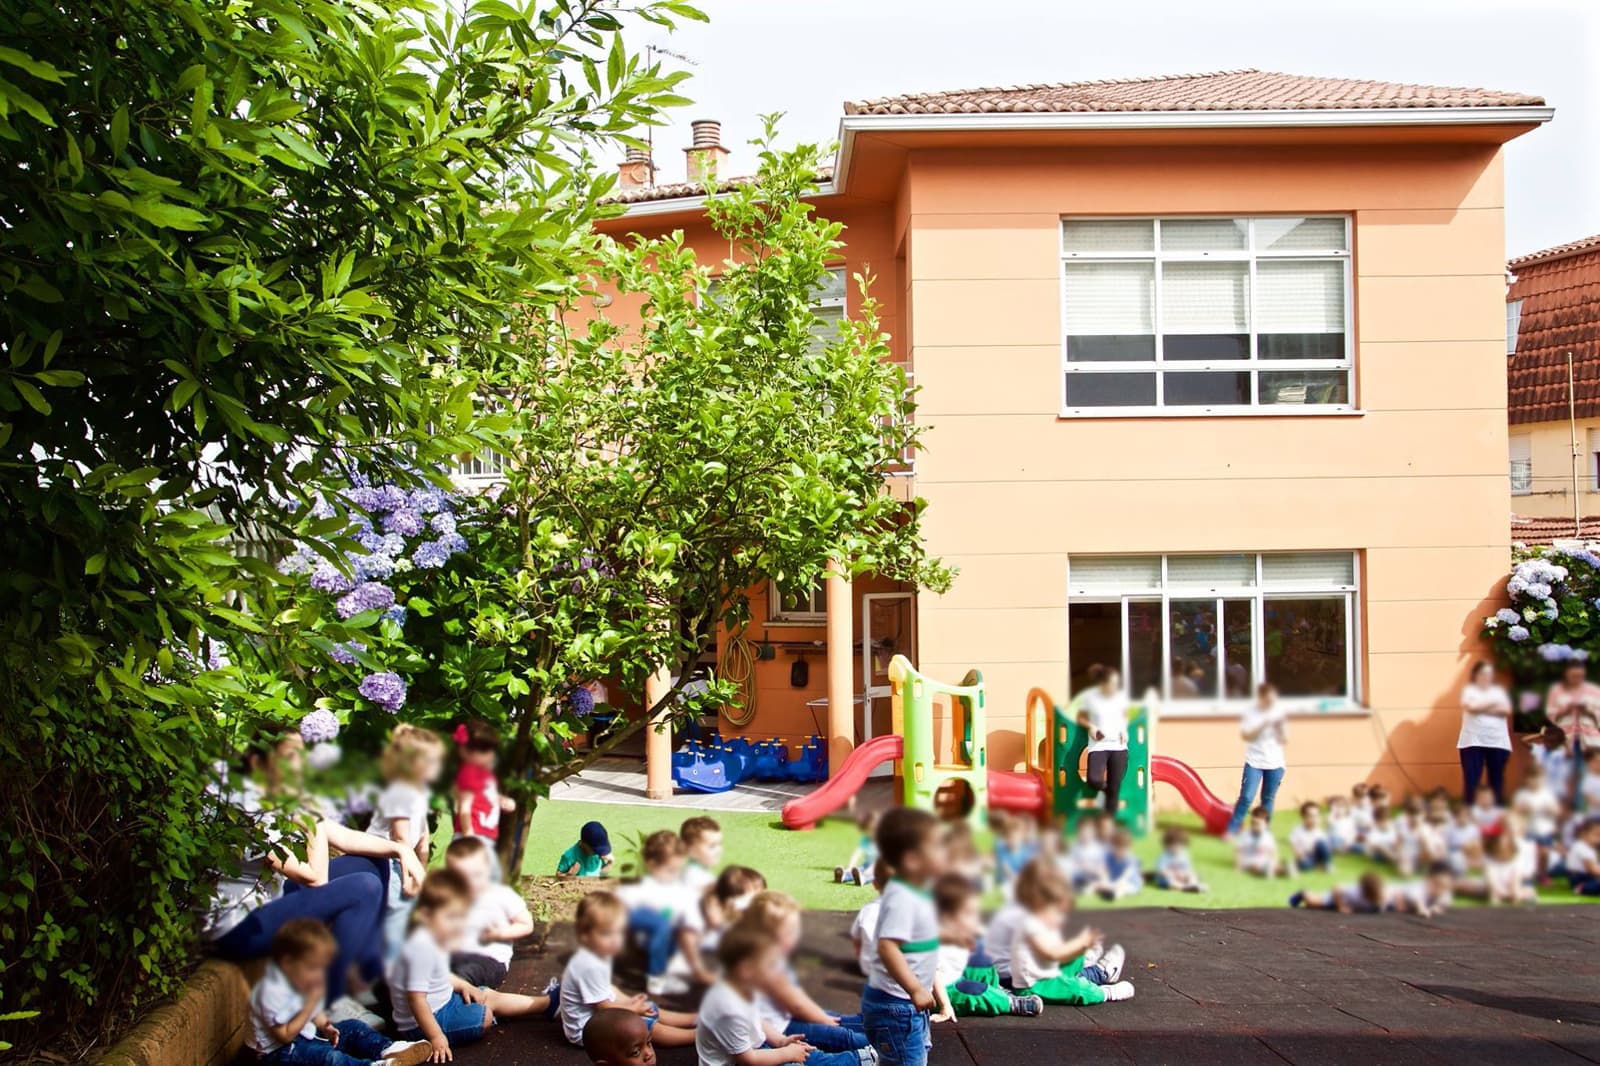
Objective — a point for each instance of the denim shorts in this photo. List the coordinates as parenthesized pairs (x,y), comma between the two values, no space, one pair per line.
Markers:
(895,1027)
(461,1022)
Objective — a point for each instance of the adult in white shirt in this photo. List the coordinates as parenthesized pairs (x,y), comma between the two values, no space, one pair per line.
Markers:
(1103,712)
(1485,740)
(1265,728)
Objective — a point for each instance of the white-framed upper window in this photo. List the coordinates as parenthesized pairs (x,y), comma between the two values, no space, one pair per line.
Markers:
(1594,460)
(1206,315)
(805,607)
(1521,454)
(829,304)
(1513,324)
(1203,631)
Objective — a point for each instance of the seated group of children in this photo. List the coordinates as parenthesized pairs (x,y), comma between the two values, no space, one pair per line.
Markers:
(442,983)
(920,944)
(1098,859)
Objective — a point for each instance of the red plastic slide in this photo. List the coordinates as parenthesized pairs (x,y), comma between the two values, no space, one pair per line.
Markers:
(803,812)
(1200,799)
(1020,792)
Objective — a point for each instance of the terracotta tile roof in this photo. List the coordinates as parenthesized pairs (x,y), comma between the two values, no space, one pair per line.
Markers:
(1224,90)
(677,190)
(1532,530)
(1560,293)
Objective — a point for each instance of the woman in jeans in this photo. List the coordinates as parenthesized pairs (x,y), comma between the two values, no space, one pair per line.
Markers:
(1264,727)
(1103,711)
(1485,740)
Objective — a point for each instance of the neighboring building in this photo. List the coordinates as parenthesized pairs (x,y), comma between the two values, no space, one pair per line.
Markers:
(1213,380)
(1553,310)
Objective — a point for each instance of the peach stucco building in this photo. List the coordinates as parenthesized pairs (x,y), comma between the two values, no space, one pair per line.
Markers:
(1213,376)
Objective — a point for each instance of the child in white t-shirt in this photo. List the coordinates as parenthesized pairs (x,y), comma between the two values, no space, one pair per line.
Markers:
(1508,869)
(1309,841)
(702,851)
(1344,831)
(1366,896)
(864,929)
(1382,840)
(1255,851)
(1175,868)
(431,1003)
(1123,875)
(1089,852)
(497,919)
(412,761)
(1362,809)
(1583,859)
(1463,841)
(785,1006)
(287,1020)
(966,984)
(658,904)
(899,992)
(1486,810)
(1050,966)
(1425,897)
(586,983)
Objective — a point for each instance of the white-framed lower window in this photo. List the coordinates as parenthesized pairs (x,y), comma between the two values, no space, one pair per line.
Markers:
(1203,631)
(803,607)
(1206,315)
(1520,446)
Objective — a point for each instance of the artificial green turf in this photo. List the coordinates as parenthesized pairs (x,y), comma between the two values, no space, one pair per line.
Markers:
(801,863)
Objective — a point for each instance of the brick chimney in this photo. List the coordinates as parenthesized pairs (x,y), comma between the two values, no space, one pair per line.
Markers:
(706,154)
(636,170)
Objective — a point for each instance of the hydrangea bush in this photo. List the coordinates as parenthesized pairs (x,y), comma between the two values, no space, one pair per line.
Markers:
(1554,615)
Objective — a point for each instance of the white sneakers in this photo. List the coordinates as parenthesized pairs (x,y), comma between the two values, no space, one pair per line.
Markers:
(407,1054)
(1111,961)
(666,984)
(1118,992)
(347,1008)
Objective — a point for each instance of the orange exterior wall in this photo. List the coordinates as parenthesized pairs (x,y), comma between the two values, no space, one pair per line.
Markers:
(1416,483)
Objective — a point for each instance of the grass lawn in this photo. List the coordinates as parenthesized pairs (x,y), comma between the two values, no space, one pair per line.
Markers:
(801,863)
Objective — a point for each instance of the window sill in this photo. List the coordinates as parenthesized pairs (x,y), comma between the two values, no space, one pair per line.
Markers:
(1079,414)
(798,623)
(1297,709)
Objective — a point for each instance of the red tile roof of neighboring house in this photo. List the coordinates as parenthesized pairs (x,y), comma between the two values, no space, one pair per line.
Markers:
(1531,530)
(676,190)
(1224,90)
(1560,293)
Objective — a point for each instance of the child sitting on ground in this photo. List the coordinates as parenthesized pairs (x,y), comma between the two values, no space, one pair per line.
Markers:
(1509,869)
(497,919)
(1016,842)
(1344,835)
(1366,896)
(1383,839)
(1463,840)
(858,871)
(1583,858)
(1255,851)
(732,1031)
(429,1002)
(617,1037)
(1050,966)
(1089,852)
(899,991)
(1123,877)
(1429,896)
(1362,810)
(702,850)
(586,984)
(1175,868)
(966,983)
(657,905)
(589,856)
(1486,810)
(963,857)
(1418,844)
(1309,842)
(725,903)
(784,1004)
(287,1021)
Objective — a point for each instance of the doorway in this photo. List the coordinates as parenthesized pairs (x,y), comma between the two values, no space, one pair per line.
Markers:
(888,628)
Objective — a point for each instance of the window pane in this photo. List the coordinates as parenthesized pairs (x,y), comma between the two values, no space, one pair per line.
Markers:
(1304,641)
(1192,636)
(1094,635)
(1238,675)
(1113,573)
(1300,296)
(831,287)
(1144,647)
(1108,235)
(1204,234)
(1300,346)
(1305,386)
(1207,390)
(1294,234)
(1111,390)
(1308,569)
(1204,310)
(1109,310)
(1211,571)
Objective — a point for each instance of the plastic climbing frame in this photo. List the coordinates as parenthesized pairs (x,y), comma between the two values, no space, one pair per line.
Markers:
(1071,795)
(924,773)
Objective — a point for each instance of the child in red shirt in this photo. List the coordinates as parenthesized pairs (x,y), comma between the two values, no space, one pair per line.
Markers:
(478,800)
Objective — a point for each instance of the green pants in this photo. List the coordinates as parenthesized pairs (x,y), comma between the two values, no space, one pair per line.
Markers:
(1067,990)
(978,994)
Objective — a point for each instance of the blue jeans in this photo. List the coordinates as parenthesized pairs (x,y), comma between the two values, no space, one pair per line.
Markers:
(654,932)
(1320,855)
(350,905)
(896,1028)
(460,1021)
(830,1038)
(1265,780)
(358,1043)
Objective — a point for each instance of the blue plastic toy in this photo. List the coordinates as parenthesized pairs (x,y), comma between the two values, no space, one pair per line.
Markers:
(716,765)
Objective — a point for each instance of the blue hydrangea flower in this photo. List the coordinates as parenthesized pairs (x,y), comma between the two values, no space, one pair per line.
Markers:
(580,701)
(1555,653)
(319,726)
(1516,586)
(391,498)
(430,555)
(365,497)
(395,614)
(326,577)
(1508,616)
(1518,633)
(428,500)
(453,542)
(375,567)
(405,522)
(298,561)
(345,653)
(386,689)
(367,596)
(443,522)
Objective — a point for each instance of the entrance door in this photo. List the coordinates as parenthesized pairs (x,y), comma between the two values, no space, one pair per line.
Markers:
(888,628)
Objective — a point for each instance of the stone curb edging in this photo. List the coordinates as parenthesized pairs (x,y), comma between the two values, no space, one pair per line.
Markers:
(205,1025)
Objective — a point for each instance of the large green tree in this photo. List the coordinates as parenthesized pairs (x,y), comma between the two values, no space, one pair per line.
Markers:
(241,244)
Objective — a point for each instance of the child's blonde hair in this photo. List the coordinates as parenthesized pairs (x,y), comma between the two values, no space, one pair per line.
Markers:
(407,744)
(598,910)
(770,909)
(1041,885)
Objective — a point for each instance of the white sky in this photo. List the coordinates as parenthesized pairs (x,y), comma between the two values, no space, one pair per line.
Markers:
(806,57)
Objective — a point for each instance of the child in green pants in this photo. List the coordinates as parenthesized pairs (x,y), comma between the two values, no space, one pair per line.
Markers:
(965,982)
(1050,966)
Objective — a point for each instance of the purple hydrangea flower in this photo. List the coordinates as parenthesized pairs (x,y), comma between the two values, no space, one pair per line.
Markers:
(386,689)
(429,500)
(370,539)
(453,542)
(376,567)
(346,652)
(395,614)
(366,498)
(443,522)
(368,596)
(580,701)
(323,508)
(319,726)
(392,544)
(326,577)
(391,498)
(405,521)
(430,555)
(299,561)
(1518,633)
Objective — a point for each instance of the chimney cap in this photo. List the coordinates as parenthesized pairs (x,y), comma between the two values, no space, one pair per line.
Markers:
(637,155)
(707,133)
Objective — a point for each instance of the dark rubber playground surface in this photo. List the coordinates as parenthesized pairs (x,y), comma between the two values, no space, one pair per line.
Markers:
(1243,987)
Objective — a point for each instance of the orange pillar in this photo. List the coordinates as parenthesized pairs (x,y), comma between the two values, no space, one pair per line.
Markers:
(658,738)
(841,668)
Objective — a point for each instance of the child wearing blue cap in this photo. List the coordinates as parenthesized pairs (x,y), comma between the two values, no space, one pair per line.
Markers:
(590,856)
